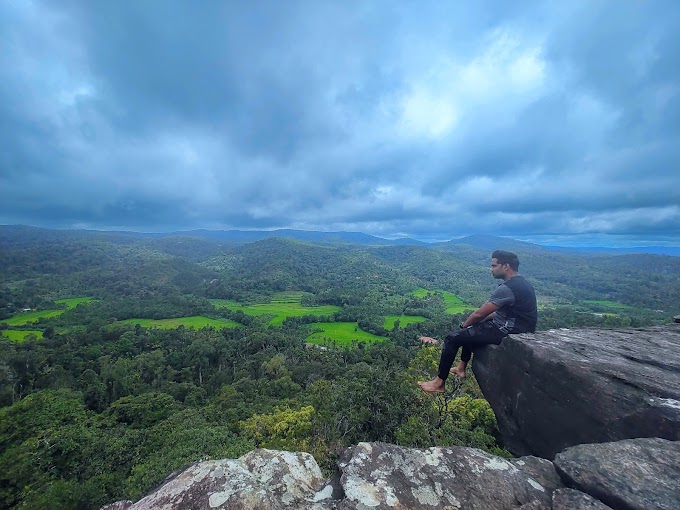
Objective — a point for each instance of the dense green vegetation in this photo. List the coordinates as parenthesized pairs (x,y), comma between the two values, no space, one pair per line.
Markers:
(109,401)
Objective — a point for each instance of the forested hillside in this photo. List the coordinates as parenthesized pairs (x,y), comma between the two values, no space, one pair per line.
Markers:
(141,354)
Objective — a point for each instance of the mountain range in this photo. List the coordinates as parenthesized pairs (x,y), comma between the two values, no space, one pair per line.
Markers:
(481,241)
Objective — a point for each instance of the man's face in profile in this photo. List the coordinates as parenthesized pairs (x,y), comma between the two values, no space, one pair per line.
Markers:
(498,270)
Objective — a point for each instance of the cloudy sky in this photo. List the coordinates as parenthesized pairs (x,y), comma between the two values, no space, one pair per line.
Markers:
(537,120)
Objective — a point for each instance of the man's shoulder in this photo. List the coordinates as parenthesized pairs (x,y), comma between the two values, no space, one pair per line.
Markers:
(518,278)
(518,282)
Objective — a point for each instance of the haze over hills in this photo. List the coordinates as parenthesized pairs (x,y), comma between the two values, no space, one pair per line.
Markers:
(224,237)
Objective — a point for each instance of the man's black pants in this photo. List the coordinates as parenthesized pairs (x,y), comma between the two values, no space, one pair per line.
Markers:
(482,333)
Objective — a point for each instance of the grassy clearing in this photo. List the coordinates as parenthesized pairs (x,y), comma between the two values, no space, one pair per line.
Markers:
(452,302)
(226,303)
(73,302)
(196,322)
(282,305)
(23,318)
(607,304)
(342,333)
(20,335)
(404,320)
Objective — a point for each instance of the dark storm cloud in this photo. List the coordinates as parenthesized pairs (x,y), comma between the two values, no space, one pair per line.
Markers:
(429,120)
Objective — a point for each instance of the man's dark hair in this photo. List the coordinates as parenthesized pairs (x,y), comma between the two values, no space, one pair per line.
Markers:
(506,257)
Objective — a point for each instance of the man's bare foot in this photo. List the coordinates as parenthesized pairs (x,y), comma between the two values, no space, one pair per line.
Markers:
(436,385)
(460,372)
(429,340)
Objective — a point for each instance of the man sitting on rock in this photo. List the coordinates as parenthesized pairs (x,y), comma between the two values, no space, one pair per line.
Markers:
(510,309)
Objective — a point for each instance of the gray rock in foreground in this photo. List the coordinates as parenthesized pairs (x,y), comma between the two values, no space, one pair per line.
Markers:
(260,480)
(384,476)
(570,499)
(640,474)
(632,474)
(372,475)
(556,389)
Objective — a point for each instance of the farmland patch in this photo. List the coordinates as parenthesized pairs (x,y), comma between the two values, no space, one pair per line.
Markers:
(404,320)
(339,333)
(20,335)
(197,322)
(281,306)
(452,302)
(23,318)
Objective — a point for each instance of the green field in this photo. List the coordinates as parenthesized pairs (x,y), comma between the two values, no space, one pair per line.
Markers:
(607,304)
(282,305)
(452,302)
(343,333)
(20,335)
(196,322)
(28,317)
(73,302)
(404,320)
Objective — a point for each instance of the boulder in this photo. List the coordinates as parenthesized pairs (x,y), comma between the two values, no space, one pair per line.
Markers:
(384,476)
(640,474)
(371,475)
(570,499)
(560,388)
(260,480)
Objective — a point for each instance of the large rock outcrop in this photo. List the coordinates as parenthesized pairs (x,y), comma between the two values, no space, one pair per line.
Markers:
(556,389)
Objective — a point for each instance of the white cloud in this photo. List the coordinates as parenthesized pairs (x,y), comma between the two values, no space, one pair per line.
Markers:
(426,114)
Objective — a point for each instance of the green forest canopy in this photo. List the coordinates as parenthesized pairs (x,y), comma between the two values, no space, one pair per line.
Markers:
(102,408)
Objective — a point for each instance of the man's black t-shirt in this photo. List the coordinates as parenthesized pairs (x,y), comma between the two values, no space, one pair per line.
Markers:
(516,301)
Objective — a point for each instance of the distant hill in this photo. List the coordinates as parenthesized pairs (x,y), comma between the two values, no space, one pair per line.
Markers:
(490,243)
(250,236)
(485,242)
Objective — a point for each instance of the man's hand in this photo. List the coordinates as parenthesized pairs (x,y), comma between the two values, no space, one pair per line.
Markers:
(481,313)
(429,340)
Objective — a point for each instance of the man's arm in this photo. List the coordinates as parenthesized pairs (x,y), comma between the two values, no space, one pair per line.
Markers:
(482,313)
(485,312)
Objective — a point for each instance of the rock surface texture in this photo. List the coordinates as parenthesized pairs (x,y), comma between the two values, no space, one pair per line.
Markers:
(561,388)
(632,474)
(636,474)
(260,480)
(570,499)
(384,476)
(372,476)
